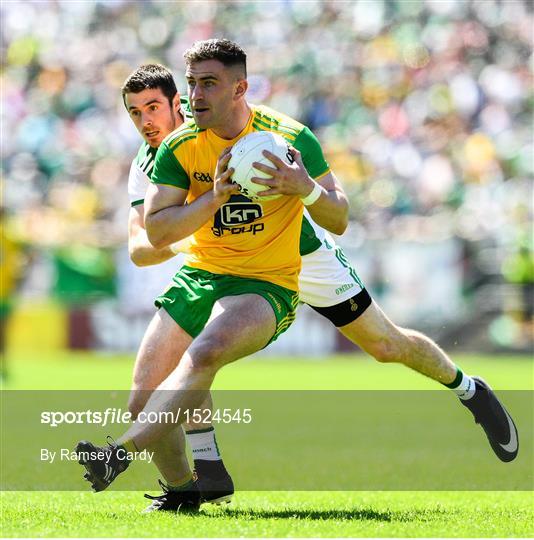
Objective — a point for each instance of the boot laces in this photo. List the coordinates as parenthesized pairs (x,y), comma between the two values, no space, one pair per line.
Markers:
(163,496)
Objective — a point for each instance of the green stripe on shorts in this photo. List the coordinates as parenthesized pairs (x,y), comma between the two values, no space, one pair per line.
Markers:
(340,256)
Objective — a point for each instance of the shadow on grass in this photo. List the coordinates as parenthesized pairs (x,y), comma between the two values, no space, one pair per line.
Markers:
(319,515)
(361,514)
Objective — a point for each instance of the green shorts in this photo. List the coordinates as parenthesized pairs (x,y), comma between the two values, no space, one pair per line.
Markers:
(190,297)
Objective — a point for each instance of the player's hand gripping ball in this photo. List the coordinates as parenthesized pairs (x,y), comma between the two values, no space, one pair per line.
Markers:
(248,150)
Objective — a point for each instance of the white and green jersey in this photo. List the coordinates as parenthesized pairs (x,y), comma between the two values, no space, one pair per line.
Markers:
(140,172)
(143,163)
(326,277)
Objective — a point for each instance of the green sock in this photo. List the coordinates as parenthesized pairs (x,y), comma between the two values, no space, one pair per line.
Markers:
(129,446)
(182,486)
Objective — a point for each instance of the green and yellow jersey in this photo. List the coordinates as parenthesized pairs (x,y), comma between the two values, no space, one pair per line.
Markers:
(253,239)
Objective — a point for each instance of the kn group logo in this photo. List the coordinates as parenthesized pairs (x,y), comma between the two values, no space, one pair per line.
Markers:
(233,214)
(237,216)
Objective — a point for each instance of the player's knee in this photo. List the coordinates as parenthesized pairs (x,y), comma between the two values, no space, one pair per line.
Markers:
(206,353)
(137,402)
(385,351)
(134,408)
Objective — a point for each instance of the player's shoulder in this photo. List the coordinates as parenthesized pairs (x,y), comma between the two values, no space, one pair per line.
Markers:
(145,157)
(269,119)
(187,132)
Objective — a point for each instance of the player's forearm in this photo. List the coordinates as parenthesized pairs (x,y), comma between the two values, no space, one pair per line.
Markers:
(143,253)
(331,211)
(174,223)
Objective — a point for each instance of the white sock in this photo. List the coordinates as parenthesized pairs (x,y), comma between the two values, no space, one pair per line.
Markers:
(203,444)
(466,388)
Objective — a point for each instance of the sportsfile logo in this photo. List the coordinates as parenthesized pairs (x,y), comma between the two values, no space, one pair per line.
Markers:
(238,216)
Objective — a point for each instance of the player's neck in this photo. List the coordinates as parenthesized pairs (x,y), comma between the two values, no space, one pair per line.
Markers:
(236,122)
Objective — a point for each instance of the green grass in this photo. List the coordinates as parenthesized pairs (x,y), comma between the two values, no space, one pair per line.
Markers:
(90,371)
(274,514)
(256,514)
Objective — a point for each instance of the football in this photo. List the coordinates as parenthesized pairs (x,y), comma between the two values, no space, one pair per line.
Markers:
(248,150)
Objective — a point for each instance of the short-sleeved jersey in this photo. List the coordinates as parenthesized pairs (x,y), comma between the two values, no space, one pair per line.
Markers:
(253,239)
(142,165)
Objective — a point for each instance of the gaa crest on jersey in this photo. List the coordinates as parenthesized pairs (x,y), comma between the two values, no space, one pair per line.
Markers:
(237,216)
(202,177)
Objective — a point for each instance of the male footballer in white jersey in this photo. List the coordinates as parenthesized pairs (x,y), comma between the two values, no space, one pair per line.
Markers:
(327,282)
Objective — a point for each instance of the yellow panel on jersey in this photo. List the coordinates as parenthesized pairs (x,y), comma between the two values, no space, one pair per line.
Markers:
(254,239)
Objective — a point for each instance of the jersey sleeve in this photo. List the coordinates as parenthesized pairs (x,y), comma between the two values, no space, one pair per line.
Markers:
(138,182)
(168,170)
(312,153)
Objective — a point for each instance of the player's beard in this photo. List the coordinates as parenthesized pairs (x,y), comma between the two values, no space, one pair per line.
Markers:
(175,121)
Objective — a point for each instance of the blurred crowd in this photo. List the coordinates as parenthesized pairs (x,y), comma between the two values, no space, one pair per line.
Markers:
(424,109)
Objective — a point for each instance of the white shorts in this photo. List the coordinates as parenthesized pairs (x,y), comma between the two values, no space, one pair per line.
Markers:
(330,285)
(327,278)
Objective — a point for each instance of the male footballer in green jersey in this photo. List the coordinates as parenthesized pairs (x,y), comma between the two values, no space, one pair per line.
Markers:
(367,325)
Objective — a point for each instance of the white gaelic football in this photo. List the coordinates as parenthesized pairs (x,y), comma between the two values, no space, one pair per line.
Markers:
(247,151)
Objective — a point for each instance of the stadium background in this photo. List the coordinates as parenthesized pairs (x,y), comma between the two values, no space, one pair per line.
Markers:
(424,109)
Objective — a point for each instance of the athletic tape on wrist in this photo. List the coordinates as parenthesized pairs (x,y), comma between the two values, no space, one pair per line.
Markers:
(313,196)
(175,248)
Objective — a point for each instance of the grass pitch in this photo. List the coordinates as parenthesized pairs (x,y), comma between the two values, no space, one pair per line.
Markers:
(282,514)
(276,514)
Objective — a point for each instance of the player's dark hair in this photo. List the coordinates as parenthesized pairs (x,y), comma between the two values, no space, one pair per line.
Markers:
(150,77)
(225,51)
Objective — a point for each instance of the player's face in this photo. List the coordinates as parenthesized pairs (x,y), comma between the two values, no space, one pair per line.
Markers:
(153,115)
(212,90)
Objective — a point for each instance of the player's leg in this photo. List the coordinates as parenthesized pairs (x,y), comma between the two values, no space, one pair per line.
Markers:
(163,344)
(244,324)
(375,334)
(330,285)
(213,480)
(378,336)
(241,326)
(246,318)
(162,347)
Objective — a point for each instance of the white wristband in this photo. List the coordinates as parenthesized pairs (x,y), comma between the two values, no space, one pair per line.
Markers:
(312,197)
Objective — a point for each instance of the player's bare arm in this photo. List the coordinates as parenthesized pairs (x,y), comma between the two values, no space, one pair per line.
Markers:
(168,219)
(142,252)
(330,210)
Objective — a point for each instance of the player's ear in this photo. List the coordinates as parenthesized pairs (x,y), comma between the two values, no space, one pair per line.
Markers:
(241,88)
(176,103)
